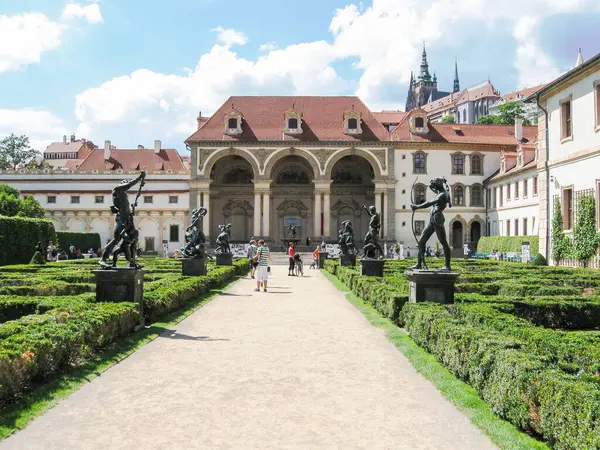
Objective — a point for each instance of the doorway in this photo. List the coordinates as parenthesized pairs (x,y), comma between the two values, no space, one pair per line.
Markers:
(457,235)
(475,233)
(149,244)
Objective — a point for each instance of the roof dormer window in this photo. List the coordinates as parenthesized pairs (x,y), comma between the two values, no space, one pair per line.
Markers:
(293,122)
(418,122)
(233,122)
(352,122)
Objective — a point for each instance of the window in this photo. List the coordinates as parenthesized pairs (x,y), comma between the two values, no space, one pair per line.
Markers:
(458,164)
(525,232)
(419,163)
(597,96)
(420,194)
(464,116)
(352,124)
(508,192)
(459,196)
(232,123)
(292,123)
(74,198)
(174,233)
(476,168)
(525,188)
(494,197)
(476,196)
(565,120)
(516,227)
(501,196)
(173,199)
(508,227)
(148,199)
(568,209)
(419,226)
(535,186)
(419,122)
(51,199)
(99,198)
(516,190)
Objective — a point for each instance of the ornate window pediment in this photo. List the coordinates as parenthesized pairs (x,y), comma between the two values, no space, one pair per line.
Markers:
(233,122)
(293,122)
(418,123)
(352,122)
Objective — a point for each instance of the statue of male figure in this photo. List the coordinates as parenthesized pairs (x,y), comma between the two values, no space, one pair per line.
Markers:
(122,209)
(372,247)
(436,221)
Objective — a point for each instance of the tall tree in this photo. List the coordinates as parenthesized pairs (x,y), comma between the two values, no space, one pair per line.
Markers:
(11,203)
(30,207)
(507,113)
(15,152)
(560,244)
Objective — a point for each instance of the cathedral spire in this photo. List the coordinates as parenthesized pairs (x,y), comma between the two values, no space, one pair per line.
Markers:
(456,87)
(424,76)
(410,99)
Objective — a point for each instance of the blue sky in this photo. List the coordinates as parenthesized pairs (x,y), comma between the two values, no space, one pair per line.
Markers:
(133,71)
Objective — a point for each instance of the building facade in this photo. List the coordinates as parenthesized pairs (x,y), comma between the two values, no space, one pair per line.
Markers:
(530,110)
(79,199)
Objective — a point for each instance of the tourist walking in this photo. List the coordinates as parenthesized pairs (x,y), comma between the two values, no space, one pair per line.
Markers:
(262,271)
(291,252)
(251,254)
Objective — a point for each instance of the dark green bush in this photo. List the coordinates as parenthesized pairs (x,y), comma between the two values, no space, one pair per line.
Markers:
(539,260)
(37,258)
(82,241)
(487,244)
(19,237)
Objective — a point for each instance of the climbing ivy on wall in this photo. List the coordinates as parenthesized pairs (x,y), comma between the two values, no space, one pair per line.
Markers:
(560,243)
(585,239)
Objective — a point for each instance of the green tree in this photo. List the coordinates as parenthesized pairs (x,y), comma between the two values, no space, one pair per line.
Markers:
(30,207)
(560,243)
(488,120)
(9,205)
(585,240)
(9,190)
(507,113)
(15,152)
(448,119)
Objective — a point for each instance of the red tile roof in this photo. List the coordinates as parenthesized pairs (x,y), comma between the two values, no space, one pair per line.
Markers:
(464,133)
(263,120)
(523,93)
(390,117)
(166,159)
(512,171)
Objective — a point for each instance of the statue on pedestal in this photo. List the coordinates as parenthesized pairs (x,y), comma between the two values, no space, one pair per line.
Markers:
(371,246)
(125,236)
(346,239)
(195,241)
(436,222)
(292,231)
(223,239)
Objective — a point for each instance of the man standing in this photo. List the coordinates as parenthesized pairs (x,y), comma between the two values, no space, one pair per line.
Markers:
(122,209)
(262,272)
(252,250)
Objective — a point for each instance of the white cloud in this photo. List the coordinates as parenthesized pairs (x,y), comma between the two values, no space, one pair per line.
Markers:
(42,127)
(91,13)
(229,36)
(267,47)
(25,37)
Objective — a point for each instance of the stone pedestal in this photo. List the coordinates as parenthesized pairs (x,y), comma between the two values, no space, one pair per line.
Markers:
(121,285)
(431,286)
(322,258)
(372,267)
(224,259)
(348,260)
(193,267)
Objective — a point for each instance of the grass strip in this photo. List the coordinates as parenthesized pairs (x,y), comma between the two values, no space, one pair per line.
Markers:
(33,404)
(504,434)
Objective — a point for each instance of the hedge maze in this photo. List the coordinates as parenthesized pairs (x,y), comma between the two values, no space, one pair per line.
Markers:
(527,338)
(50,321)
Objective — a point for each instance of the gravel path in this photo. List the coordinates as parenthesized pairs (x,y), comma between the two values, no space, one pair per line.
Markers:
(297,367)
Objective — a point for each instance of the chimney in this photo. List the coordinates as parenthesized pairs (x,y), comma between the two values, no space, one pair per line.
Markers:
(73,137)
(64,138)
(199,119)
(519,129)
(140,147)
(157,146)
(107,148)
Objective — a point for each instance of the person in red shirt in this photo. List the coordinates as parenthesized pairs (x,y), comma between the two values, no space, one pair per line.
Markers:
(291,253)
(316,257)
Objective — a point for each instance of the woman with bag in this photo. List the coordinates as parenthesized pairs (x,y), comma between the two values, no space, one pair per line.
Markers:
(262,271)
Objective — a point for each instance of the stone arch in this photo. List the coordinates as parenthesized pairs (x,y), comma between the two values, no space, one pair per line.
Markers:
(102,227)
(346,210)
(214,157)
(274,157)
(240,214)
(457,241)
(76,224)
(149,235)
(333,159)
(482,230)
(57,224)
(290,204)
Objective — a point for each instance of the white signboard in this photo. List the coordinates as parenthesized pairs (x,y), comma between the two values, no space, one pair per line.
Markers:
(525,252)
(166,250)
(401,251)
(466,249)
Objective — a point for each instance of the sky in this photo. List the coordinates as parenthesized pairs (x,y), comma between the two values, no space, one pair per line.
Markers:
(132,71)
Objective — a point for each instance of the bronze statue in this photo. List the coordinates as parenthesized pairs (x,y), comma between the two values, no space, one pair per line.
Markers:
(195,241)
(292,231)
(223,239)
(125,235)
(371,246)
(346,239)
(436,222)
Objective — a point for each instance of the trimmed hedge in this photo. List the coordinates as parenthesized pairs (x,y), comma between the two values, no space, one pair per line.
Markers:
(82,241)
(487,244)
(19,237)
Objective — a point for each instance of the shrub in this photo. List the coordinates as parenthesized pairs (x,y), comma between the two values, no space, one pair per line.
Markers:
(584,234)
(560,243)
(19,237)
(487,244)
(539,260)
(82,241)
(38,258)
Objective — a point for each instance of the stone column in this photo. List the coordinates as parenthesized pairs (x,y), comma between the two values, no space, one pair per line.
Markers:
(327,213)
(198,199)
(161,233)
(206,220)
(256,213)
(386,209)
(379,208)
(467,196)
(317,215)
(266,214)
